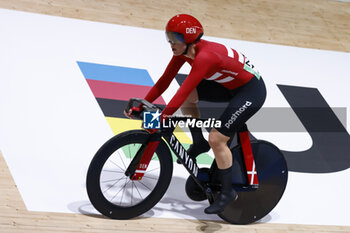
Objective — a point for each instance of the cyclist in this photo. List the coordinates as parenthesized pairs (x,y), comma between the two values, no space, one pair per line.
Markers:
(218,74)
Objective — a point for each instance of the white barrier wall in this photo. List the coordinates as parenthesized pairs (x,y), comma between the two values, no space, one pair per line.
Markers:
(51,124)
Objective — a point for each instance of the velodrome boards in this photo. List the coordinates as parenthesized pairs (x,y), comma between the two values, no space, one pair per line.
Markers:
(324,28)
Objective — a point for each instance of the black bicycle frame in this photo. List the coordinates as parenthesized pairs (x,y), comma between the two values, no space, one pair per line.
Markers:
(150,146)
(180,152)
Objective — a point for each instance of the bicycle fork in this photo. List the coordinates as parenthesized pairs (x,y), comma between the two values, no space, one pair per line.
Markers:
(140,162)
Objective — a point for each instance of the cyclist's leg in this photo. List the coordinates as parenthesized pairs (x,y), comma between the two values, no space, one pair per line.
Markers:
(208,91)
(218,143)
(246,101)
(223,157)
(189,107)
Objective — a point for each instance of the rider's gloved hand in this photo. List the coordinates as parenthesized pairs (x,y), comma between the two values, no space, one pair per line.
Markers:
(134,112)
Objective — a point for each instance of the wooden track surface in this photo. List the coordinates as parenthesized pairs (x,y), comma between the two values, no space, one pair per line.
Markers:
(321,24)
(15,218)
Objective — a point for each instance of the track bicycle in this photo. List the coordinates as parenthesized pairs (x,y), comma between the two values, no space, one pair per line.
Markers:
(131,172)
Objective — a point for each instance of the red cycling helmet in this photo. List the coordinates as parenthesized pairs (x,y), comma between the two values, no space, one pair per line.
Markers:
(184,28)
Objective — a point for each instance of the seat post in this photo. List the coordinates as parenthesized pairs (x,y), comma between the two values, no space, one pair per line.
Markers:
(244,142)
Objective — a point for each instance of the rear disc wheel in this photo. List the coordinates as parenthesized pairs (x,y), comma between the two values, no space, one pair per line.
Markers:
(255,203)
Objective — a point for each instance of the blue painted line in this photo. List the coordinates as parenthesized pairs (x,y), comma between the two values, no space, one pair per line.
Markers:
(116,74)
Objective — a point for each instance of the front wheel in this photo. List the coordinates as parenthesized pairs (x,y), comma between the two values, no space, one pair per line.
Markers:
(113,193)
